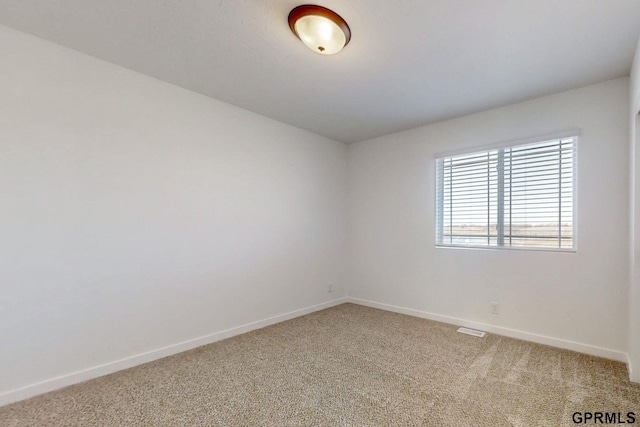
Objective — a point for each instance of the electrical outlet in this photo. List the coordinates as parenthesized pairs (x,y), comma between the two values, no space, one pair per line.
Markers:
(330,287)
(495,307)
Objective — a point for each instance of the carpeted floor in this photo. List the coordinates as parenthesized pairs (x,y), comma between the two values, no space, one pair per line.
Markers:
(346,366)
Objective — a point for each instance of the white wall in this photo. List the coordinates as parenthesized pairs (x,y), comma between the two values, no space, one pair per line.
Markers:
(575,300)
(136,215)
(634,283)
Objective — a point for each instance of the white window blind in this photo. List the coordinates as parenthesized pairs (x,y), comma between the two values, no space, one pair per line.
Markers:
(521,196)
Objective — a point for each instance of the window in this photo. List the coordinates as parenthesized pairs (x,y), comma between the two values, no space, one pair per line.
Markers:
(515,197)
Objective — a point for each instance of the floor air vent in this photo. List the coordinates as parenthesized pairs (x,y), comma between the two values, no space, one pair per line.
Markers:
(473,332)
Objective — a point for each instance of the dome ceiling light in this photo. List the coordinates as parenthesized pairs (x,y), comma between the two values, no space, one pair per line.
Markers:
(321,29)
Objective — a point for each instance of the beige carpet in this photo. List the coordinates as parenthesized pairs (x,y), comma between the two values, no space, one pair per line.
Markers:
(346,366)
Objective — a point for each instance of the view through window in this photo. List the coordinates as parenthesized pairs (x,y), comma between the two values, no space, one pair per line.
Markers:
(521,196)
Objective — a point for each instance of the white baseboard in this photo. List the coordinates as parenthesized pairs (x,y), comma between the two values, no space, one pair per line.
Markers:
(128,362)
(498,330)
(633,377)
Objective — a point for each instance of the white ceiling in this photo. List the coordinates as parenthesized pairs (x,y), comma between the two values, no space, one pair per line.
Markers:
(409,63)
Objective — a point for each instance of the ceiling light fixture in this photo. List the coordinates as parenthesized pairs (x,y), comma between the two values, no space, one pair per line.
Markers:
(321,29)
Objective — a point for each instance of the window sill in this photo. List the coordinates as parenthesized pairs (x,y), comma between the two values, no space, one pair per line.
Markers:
(507,248)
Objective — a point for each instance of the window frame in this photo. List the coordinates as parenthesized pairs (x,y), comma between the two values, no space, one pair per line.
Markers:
(571,133)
